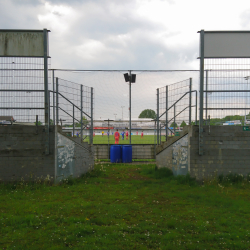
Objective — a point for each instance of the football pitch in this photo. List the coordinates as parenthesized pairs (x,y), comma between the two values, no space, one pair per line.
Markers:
(135,139)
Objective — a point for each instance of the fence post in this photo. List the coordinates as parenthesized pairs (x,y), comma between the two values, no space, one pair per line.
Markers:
(57,102)
(160,134)
(91,124)
(49,109)
(130,106)
(201,92)
(46,97)
(81,116)
(196,102)
(174,119)
(206,93)
(73,120)
(155,139)
(166,113)
(53,82)
(190,100)
(157,115)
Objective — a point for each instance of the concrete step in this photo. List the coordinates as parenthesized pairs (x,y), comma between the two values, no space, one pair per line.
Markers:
(172,139)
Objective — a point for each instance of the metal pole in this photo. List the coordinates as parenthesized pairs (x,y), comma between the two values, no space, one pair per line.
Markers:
(92,118)
(53,82)
(160,134)
(108,135)
(46,97)
(49,108)
(57,102)
(157,116)
(81,114)
(196,102)
(166,113)
(190,100)
(155,140)
(206,93)
(130,106)
(73,120)
(174,119)
(201,92)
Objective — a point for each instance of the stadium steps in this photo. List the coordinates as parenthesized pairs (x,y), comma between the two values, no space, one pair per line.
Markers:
(85,145)
(171,140)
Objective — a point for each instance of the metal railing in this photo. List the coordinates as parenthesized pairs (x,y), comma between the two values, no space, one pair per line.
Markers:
(75,110)
(175,107)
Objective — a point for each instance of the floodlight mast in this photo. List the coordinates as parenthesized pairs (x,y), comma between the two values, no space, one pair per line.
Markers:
(130,107)
(131,78)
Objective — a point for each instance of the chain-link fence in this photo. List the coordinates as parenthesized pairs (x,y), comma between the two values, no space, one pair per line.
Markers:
(22,88)
(73,108)
(177,105)
(226,91)
(112,97)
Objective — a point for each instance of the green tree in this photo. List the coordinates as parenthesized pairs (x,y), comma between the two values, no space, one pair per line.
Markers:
(193,123)
(84,122)
(147,113)
(183,124)
(173,125)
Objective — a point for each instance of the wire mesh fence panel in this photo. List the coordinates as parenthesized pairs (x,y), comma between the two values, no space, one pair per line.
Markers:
(22,88)
(74,107)
(177,100)
(178,113)
(227,91)
(112,94)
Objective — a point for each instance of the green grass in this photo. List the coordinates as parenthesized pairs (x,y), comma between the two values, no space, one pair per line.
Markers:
(147,139)
(123,206)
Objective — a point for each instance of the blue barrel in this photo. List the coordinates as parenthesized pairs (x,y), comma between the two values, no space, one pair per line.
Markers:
(115,153)
(127,153)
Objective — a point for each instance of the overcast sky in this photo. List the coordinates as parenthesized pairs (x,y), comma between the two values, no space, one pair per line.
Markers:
(124,35)
(131,34)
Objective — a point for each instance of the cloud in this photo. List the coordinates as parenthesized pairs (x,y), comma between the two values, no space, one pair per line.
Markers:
(131,34)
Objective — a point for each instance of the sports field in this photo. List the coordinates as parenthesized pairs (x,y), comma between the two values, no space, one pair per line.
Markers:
(135,139)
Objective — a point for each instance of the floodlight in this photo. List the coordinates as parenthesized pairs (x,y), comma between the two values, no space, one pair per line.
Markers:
(133,77)
(126,77)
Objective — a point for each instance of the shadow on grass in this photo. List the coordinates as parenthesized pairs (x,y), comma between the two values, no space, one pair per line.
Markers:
(167,174)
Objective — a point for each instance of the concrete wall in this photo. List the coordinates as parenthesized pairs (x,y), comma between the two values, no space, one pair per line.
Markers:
(138,151)
(22,153)
(73,159)
(180,156)
(226,150)
(175,156)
